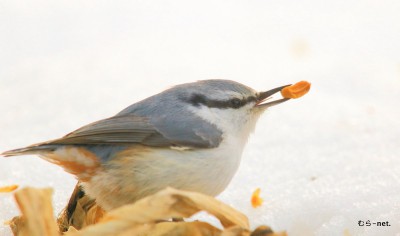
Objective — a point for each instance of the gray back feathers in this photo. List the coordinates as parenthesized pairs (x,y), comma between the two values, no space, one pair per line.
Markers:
(161,120)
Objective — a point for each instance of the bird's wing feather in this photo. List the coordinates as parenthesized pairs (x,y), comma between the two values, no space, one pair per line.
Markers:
(116,130)
(131,129)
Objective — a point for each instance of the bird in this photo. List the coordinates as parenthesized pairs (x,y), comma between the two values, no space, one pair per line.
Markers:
(190,137)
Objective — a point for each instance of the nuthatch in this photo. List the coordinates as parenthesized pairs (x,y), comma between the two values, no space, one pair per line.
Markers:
(189,137)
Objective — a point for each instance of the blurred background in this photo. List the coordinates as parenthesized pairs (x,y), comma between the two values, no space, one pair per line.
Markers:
(323,162)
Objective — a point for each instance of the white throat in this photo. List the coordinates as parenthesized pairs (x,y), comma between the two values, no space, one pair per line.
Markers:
(234,123)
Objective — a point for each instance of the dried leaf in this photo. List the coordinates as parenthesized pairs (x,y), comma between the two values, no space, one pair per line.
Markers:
(37,213)
(86,212)
(235,231)
(72,229)
(181,229)
(264,230)
(171,203)
(141,218)
(15,224)
(165,204)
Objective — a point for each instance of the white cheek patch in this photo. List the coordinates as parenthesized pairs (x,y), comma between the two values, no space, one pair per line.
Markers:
(231,121)
(75,160)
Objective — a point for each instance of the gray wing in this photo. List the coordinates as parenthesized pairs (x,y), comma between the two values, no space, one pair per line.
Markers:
(115,130)
(131,129)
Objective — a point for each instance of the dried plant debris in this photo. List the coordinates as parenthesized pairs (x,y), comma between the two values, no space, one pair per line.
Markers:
(256,200)
(169,203)
(37,217)
(266,231)
(80,211)
(148,216)
(7,189)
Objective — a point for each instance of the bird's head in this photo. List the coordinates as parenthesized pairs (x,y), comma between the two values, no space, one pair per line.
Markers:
(232,107)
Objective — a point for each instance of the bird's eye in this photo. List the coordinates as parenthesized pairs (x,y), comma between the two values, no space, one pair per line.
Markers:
(236,102)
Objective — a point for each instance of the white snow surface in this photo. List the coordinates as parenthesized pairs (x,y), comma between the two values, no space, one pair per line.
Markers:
(323,162)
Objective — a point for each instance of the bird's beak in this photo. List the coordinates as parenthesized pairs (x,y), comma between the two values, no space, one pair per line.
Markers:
(263,96)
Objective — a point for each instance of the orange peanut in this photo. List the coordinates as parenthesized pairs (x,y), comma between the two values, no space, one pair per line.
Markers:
(296,90)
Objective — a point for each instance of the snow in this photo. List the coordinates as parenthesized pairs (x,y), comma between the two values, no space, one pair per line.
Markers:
(323,162)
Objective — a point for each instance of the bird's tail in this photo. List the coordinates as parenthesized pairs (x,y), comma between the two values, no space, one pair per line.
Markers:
(78,161)
(33,149)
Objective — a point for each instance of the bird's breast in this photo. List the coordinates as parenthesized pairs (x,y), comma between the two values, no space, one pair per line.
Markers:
(140,171)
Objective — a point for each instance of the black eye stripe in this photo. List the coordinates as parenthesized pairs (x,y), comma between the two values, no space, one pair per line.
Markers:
(236,102)
(199,99)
